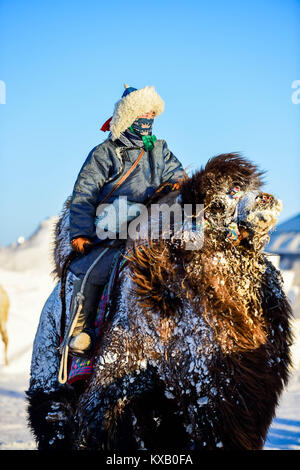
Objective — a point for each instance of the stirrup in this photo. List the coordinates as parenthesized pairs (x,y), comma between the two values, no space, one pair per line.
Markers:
(87,352)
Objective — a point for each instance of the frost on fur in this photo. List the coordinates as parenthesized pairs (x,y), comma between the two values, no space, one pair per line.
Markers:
(195,348)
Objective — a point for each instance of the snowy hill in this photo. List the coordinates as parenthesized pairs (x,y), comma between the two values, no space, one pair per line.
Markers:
(33,253)
(25,274)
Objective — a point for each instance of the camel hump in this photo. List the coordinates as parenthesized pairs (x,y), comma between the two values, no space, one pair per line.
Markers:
(62,247)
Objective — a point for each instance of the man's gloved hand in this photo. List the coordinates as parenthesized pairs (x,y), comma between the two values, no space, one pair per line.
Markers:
(176,186)
(80,244)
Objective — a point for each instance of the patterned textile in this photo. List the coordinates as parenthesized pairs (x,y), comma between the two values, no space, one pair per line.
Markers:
(142,126)
(80,368)
(129,139)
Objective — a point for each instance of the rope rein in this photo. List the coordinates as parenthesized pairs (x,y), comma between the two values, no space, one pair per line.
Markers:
(62,293)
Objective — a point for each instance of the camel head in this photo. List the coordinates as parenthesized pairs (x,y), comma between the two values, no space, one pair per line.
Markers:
(224,279)
(235,208)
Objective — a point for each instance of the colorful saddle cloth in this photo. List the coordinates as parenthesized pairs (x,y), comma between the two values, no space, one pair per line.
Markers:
(81,368)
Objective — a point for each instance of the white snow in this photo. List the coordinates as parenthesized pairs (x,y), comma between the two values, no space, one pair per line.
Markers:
(25,275)
(285,430)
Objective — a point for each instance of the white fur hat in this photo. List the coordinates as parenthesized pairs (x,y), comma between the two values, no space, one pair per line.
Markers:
(133,104)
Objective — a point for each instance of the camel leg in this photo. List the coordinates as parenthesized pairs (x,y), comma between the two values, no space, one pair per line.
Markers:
(51,418)
(111,419)
(4,336)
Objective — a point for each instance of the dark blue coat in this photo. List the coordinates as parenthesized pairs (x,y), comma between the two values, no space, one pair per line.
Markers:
(103,168)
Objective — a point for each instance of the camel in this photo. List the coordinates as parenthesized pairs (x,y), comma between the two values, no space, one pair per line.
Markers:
(4,308)
(195,347)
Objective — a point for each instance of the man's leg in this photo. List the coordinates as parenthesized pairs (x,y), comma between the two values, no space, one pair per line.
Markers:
(83,337)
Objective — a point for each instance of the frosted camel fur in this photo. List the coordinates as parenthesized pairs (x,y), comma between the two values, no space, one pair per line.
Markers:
(4,308)
(195,349)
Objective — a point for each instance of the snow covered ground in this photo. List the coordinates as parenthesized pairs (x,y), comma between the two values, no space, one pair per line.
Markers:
(285,429)
(24,273)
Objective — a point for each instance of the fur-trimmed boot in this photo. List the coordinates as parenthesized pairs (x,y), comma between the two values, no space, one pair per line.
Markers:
(82,342)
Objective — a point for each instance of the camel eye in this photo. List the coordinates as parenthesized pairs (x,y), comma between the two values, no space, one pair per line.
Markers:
(264,198)
(235,192)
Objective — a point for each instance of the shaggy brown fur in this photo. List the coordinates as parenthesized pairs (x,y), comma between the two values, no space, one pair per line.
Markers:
(245,344)
(226,276)
(230,292)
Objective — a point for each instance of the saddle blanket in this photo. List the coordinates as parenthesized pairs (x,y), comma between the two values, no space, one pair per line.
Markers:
(81,368)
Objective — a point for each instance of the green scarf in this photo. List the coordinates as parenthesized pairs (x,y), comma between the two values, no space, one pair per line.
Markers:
(149,140)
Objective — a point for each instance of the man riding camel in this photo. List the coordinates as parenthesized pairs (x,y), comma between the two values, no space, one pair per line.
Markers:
(131,162)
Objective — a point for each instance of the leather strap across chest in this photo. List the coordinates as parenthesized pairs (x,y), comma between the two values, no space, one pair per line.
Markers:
(124,177)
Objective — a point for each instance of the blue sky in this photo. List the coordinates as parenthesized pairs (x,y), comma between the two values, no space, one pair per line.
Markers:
(224,69)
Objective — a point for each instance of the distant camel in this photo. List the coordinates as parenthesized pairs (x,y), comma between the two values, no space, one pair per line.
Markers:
(4,307)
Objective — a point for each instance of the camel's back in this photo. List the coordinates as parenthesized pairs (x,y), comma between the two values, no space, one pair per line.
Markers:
(4,305)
